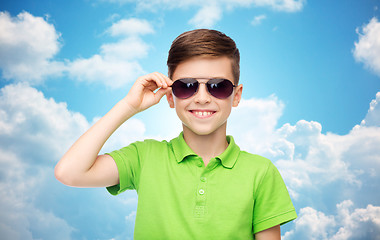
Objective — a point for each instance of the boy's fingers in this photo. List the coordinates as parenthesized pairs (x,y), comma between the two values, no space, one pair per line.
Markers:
(160,93)
(166,82)
(157,78)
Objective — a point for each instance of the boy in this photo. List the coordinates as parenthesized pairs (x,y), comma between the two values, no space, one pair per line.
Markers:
(198,185)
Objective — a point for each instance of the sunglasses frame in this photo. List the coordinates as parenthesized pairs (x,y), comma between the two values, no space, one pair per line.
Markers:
(207,86)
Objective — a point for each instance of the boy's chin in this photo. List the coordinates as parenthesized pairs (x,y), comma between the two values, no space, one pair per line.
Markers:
(202,131)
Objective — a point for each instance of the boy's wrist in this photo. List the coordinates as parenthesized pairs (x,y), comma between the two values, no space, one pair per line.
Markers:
(127,108)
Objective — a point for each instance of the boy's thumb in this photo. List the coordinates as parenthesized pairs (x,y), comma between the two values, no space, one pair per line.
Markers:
(161,92)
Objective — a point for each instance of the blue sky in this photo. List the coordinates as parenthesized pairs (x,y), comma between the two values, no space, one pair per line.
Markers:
(311,77)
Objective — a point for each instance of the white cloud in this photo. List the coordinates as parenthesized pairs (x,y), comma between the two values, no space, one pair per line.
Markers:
(32,121)
(27,47)
(210,12)
(282,5)
(117,63)
(367,49)
(373,116)
(34,133)
(207,16)
(315,158)
(19,186)
(258,19)
(128,49)
(132,26)
(360,223)
(131,131)
(100,69)
(253,123)
(131,217)
(307,158)
(312,225)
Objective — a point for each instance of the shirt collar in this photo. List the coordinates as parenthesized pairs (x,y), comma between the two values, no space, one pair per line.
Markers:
(180,148)
(228,158)
(231,154)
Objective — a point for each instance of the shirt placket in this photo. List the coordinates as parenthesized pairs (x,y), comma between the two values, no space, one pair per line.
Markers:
(202,193)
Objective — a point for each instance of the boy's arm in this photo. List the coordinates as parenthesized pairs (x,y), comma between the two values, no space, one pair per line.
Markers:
(273,233)
(81,166)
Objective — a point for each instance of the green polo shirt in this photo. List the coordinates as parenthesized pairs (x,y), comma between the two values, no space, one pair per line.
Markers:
(235,196)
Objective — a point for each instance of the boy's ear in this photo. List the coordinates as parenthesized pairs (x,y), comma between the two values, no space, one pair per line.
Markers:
(170,98)
(237,96)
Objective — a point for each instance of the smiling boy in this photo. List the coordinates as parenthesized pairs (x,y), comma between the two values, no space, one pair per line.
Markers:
(199,185)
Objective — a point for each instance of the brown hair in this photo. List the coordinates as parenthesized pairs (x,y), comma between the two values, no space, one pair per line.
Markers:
(203,42)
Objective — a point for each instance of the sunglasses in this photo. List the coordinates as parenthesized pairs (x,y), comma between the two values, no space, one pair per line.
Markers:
(218,87)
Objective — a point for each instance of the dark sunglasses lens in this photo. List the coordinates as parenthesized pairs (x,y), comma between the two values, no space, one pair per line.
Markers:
(185,88)
(220,88)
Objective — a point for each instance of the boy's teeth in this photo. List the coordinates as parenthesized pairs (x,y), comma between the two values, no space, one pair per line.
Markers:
(202,113)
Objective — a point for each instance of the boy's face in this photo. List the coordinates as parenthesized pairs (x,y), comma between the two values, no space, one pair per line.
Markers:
(202,113)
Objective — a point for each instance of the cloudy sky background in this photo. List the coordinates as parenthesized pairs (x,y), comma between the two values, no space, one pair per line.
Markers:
(311,76)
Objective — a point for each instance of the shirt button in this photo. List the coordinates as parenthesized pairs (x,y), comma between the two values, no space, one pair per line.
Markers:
(201,191)
(200,164)
(203,179)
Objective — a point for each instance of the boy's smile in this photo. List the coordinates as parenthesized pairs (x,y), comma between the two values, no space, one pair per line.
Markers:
(202,113)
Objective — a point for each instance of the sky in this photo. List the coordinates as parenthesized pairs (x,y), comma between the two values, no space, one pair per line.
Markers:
(311,103)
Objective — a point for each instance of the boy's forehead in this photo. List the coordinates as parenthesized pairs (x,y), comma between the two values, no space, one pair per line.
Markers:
(204,67)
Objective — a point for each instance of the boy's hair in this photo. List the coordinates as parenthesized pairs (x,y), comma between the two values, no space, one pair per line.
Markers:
(203,42)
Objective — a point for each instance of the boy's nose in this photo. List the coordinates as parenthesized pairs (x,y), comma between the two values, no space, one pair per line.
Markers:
(202,96)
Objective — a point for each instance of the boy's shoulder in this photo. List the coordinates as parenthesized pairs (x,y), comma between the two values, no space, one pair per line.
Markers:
(150,144)
(248,155)
(254,159)
(247,161)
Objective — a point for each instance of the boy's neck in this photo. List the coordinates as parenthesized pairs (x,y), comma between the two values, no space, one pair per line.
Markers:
(206,146)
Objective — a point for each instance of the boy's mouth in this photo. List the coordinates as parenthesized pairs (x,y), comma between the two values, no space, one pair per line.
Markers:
(202,113)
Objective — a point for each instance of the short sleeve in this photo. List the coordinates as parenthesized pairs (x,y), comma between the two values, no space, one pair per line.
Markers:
(128,164)
(273,205)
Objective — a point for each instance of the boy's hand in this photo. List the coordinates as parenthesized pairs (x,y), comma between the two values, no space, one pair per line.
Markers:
(142,95)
